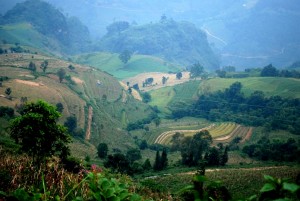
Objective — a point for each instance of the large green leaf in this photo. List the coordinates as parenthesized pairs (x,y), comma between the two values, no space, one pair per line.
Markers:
(269,178)
(291,187)
(115,198)
(109,192)
(135,197)
(268,187)
(105,184)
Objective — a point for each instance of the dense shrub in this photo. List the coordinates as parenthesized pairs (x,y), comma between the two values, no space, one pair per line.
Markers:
(6,112)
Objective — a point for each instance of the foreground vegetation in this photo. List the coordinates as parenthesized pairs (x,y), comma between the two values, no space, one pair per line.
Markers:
(20,180)
(31,170)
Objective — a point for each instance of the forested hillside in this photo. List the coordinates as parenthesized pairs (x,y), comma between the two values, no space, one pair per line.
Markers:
(178,42)
(69,33)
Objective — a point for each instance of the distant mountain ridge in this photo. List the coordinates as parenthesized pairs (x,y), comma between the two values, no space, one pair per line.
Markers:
(253,33)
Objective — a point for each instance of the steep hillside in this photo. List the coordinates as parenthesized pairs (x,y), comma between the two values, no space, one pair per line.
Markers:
(178,42)
(103,108)
(25,34)
(68,33)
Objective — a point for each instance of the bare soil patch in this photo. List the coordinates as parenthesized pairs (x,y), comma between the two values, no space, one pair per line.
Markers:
(157,80)
(30,83)
(77,80)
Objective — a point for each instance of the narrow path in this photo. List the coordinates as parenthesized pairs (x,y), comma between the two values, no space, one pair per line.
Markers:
(89,124)
(244,169)
(248,135)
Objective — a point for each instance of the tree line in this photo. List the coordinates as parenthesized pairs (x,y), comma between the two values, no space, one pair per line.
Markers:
(272,112)
(274,150)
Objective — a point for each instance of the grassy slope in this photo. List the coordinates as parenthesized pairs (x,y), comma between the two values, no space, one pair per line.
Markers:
(25,34)
(179,93)
(137,64)
(108,113)
(271,86)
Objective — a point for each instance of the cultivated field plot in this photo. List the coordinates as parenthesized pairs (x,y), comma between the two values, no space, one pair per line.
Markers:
(224,132)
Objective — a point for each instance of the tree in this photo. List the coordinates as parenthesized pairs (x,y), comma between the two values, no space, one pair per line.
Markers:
(38,133)
(71,124)
(157,121)
(59,107)
(8,91)
(149,81)
(125,56)
(118,162)
(143,145)
(6,112)
(269,71)
(136,86)
(234,91)
(176,141)
(133,155)
(32,66)
(164,80)
(71,67)
(164,159)
(178,75)
(192,148)
(102,150)
(146,97)
(157,162)
(147,164)
(200,143)
(196,70)
(213,157)
(44,66)
(224,157)
(129,90)
(61,73)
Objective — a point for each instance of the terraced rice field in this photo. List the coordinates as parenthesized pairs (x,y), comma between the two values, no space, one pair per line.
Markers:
(223,129)
(224,132)
(240,131)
